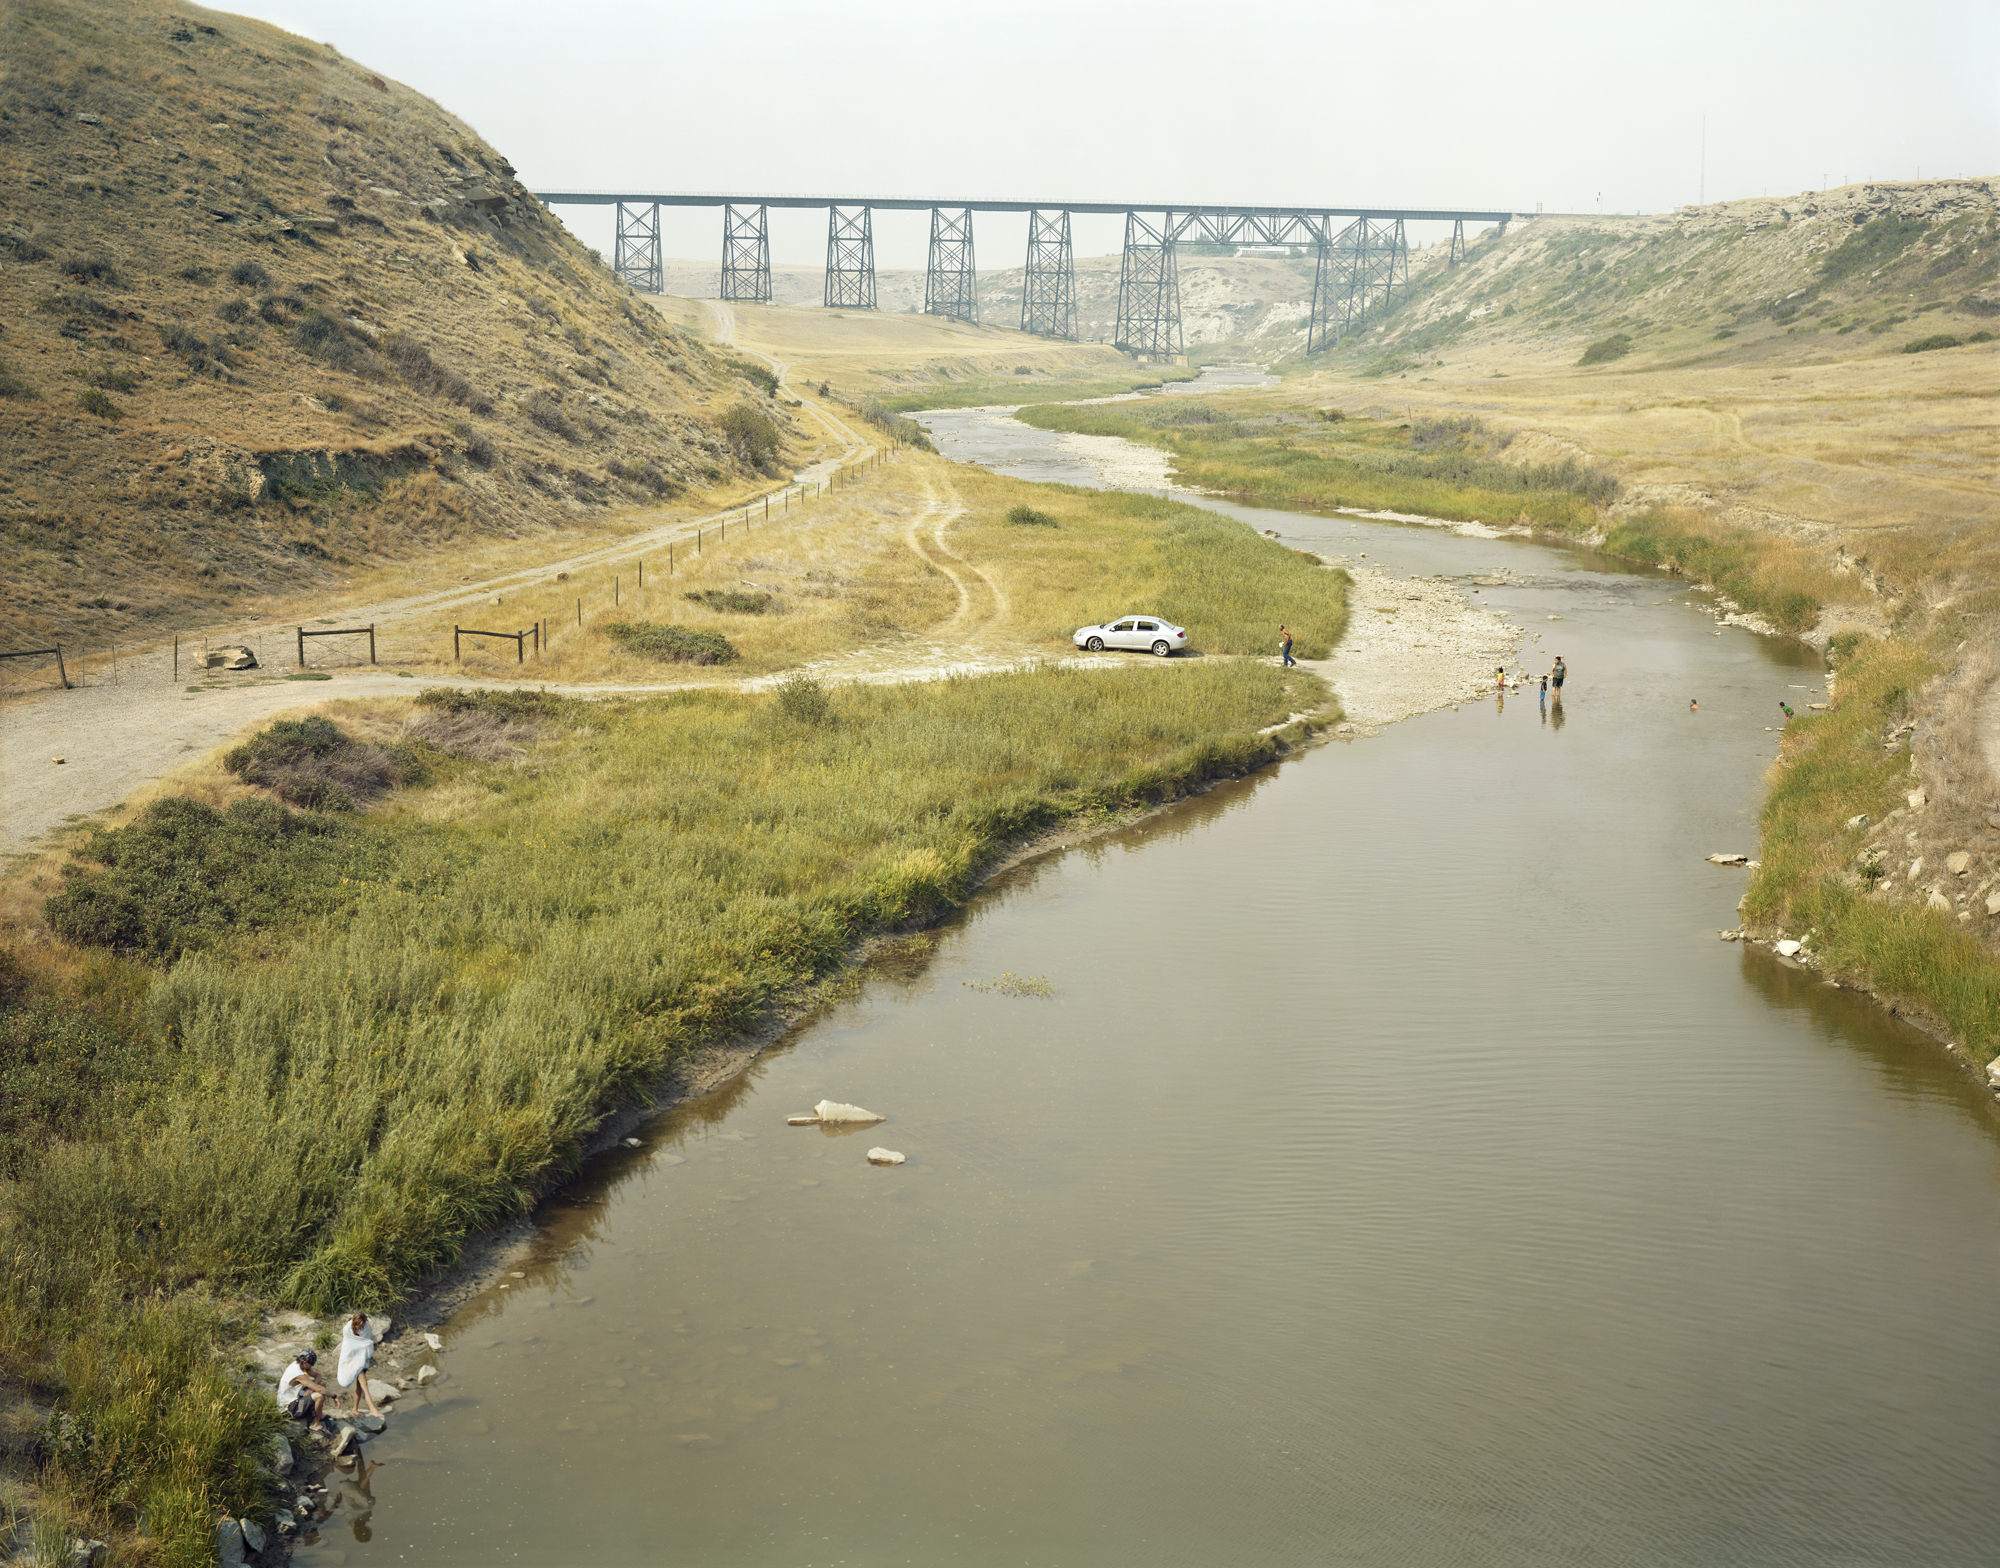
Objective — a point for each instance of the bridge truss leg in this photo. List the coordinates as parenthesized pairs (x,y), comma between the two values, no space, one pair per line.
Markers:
(636,255)
(1048,295)
(850,258)
(746,255)
(1363,271)
(951,284)
(1457,241)
(1149,291)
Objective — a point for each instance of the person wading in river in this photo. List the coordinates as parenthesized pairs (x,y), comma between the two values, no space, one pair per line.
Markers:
(1558,673)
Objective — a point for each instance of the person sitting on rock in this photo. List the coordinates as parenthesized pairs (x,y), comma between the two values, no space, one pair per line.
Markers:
(301,1395)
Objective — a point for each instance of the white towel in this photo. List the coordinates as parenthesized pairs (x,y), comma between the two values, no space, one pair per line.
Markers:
(357,1352)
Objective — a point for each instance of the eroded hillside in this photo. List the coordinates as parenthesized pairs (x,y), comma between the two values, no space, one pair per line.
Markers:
(266,316)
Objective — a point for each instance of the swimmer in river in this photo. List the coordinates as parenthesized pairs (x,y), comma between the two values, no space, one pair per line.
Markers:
(1693,706)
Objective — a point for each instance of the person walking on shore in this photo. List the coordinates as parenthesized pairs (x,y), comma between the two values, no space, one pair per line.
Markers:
(1558,673)
(1285,647)
(357,1352)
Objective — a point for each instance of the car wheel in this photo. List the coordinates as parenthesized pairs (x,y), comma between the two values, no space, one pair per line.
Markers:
(1163,648)
(1094,645)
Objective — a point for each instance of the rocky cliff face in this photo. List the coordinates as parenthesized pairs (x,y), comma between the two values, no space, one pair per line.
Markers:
(265,316)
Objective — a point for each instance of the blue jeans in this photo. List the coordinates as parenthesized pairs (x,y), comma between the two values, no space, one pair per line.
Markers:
(1287,652)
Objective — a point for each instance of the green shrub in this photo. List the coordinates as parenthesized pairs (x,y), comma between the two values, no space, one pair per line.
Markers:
(95,402)
(313,763)
(1616,346)
(755,436)
(1028,517)
(732,601)
(803,699)
(757,375)
(184,875)
(95,268)
(544,408)
(672,644)
(250,273)
(1945,340)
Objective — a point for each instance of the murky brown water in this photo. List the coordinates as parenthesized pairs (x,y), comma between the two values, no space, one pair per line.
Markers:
(1402,1173)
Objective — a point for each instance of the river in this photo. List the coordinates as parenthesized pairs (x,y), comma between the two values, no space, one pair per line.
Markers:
(1401,1172)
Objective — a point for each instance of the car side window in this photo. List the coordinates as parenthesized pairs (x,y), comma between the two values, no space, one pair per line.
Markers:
(1122,626)
(1148,626)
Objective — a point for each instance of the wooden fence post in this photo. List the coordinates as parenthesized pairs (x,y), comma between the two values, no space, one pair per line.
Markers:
(455,655)
(302,647)
(371,642)
(59,667)
(579,612)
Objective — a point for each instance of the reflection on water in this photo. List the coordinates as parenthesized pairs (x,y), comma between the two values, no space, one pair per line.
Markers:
(1400,1173)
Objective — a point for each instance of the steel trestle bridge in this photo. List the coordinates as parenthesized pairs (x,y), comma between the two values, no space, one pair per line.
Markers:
(1362,255)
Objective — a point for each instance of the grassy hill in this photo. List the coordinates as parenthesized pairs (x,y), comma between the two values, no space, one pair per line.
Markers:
(266,317)
(1738,280)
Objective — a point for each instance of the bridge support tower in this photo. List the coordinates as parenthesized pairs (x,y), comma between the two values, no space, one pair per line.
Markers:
(1457,242)
(1361,273)
(635,256)
(1048,294)
(746,255)
(1149,291)
(850,258)
(951,283)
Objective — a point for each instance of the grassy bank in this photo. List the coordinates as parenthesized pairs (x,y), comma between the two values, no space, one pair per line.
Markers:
(1824,882)
(1454,468)
(1035,389)
(317,1104)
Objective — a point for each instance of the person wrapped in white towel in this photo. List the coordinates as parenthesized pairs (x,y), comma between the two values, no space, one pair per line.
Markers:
(357,1354)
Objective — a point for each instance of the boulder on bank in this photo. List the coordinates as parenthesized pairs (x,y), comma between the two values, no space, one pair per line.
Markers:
(1958,862)
(834,1111)
(426,1375)
(1729,860)
(281,1454)
(233,657)
(1787,948)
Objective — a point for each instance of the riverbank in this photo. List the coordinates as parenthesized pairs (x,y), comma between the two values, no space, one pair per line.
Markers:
(1915,604)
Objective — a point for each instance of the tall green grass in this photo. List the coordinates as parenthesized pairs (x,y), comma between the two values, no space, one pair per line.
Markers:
(1833,768)
(330,1123)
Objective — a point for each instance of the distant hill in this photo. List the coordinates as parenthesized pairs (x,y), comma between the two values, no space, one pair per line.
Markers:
(266,315)
(1878,264)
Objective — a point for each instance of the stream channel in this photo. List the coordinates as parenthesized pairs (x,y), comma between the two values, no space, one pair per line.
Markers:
(1401,1172)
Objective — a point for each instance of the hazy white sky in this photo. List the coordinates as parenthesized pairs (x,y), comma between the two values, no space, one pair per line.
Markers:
(1436,104)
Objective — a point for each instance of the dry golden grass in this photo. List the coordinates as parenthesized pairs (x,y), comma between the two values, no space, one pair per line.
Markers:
(476,374)
(863,353)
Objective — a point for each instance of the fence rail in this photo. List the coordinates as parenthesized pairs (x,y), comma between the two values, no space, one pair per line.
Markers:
(518,639)
(35,653)
(346,631)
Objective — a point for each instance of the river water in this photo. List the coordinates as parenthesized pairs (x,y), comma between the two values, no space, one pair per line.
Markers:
(1401,1172)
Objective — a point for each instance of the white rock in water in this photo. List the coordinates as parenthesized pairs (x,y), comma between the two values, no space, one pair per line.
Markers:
(834,1111)
(801,1121)
(1958,863)
(631,1143)
(884,1157)
(1993,1070)
(426,1375)
(1730,860)
(434,1342)
(281,1454)
(229,1544)
(253,1534)
(1786,948)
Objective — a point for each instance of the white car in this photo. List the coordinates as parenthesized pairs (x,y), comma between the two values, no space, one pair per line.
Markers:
(1133,631)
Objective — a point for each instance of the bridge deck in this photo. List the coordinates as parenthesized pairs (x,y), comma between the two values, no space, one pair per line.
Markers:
(924,204)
